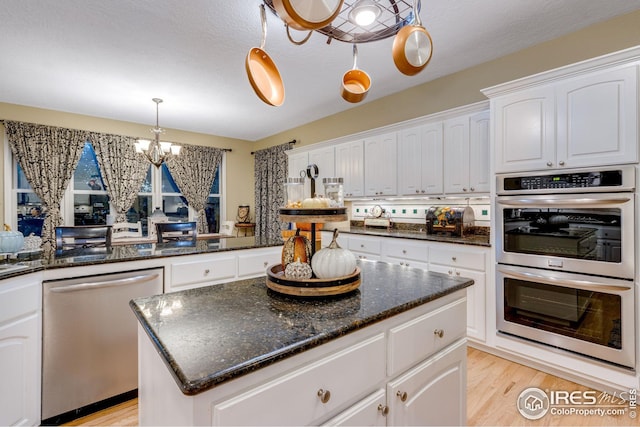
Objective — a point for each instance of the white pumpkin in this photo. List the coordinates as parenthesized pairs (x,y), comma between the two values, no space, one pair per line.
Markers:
(333,261)
(315,203)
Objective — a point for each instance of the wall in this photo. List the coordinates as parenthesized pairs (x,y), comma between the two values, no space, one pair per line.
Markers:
(239,163)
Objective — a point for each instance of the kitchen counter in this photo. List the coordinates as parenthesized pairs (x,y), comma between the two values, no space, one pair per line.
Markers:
(210,335)
(471,239)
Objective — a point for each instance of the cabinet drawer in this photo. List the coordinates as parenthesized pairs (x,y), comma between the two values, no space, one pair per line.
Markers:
(360,244)
(367,412)
(406,250)
(203,270)
(256,261)
(415,340)
(458,258)
(18,298)
(295,397)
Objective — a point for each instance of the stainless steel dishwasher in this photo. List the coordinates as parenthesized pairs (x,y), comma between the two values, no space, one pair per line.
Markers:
(89,347)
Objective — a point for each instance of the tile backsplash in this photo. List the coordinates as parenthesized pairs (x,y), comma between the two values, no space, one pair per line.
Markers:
(414,211)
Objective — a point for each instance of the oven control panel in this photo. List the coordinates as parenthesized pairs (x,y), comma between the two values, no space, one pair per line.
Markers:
(572,180)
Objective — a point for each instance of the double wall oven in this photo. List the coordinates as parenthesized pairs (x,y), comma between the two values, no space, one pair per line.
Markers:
(566,260)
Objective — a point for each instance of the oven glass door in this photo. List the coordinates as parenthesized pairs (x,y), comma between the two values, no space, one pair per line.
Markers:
(588,315)
(581,233)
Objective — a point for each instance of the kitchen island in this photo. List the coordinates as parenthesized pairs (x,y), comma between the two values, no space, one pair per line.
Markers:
(239,353)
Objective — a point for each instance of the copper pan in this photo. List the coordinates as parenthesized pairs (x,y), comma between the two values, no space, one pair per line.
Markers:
(355,83)
(307,14)
(262,71)
(412,47)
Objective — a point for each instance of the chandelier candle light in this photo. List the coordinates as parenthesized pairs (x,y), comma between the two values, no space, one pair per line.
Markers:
(157,151)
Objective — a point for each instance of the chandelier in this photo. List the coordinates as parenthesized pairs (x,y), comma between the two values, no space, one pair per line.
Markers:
(156,151)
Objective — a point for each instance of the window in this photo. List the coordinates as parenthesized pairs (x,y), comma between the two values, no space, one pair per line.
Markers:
(212,210)
(29,207)
(90,198)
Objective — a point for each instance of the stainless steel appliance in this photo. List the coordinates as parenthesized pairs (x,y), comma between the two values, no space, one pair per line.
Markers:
(89,349)
(566,260)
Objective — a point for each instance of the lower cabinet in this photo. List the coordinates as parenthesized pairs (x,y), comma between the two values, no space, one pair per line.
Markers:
(20,322)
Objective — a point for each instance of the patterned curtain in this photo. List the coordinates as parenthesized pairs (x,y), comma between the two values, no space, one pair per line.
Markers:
(270,175)
(122,168)
(48,156)
(194,170)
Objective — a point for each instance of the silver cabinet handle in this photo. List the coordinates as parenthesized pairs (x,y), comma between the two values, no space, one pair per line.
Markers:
(324,395)
(472,189)
(206,272)
(439,333)
(265,263)
(402,395)
(453,258)
(561,162)
(383,409)
(549,164)
(464,188)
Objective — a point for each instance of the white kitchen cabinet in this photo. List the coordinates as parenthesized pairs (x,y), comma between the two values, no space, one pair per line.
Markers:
(406,252)
(585,119)
(370,411)
(201,270)
(349,160)
(365,247)
(297,162)
(380,165)
(254,262)
(429,394)
(20,350)
(466,154)
(420,160)
(460,261)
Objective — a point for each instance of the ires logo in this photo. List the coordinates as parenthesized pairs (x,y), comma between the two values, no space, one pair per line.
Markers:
(562,397)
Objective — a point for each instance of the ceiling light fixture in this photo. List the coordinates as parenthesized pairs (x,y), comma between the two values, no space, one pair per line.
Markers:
(364,13)
(156,151)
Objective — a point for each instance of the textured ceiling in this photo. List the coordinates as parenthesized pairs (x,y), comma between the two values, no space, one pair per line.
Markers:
(109,58)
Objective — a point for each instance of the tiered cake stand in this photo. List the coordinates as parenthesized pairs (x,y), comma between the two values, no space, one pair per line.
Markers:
(313,287)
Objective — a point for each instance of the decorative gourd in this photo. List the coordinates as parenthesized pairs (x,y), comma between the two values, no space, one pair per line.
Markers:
(333,261)
(298,270)
(296,248)
(316,202)
(10,241)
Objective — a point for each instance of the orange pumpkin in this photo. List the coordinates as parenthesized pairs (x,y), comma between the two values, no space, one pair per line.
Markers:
(296,248)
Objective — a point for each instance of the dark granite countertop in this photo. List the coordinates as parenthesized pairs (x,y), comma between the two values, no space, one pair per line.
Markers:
(216,333)
(472,239)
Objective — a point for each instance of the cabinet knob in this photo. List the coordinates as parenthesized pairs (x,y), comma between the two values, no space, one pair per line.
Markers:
(457,273)
(464,188)
(404,251)
(472,189)
(206,272)
(417,191)
(324,395)
(383,409)
(362,246)
(454,258)
(402,395)
(423,191)
(439,333)
(561,162)
(450,272)
(549,164)
(265,263)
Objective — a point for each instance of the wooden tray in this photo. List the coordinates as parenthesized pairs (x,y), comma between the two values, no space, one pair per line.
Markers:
(311,287)
(316,215)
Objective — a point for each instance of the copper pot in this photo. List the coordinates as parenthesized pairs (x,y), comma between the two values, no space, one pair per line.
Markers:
(355,82)
(307,15)
(412,47)
(262,71)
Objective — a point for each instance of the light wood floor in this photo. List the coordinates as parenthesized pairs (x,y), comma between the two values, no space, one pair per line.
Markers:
(493,386)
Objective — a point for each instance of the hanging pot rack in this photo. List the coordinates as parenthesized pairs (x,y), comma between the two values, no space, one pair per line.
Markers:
(394,14)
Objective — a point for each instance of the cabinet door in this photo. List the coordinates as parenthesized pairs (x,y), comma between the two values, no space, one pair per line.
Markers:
(597,118)
(433,393)
(524,130)
(380,165)
(370,411)
(456,155)
(296,163)
(349,160)
(432,159)
(325,160)
(410,161)
(479,153)
(20,372)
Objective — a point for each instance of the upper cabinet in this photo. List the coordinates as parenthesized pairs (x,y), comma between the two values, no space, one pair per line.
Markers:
(466,154)
(324,158)
(567,118)
(380,165)
(350,167)
(420,160)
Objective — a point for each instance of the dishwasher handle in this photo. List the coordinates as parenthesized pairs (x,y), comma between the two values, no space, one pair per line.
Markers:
(131,280)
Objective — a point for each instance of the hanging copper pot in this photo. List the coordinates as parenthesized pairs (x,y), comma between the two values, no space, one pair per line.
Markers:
(412,47)
(355,82)
(262,71)
(307,15)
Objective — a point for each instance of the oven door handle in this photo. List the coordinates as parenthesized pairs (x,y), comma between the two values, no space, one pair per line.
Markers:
(587,285)
(126,281)
(554,202)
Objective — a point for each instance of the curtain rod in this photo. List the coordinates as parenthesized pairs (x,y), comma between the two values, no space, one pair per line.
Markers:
(293,141)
